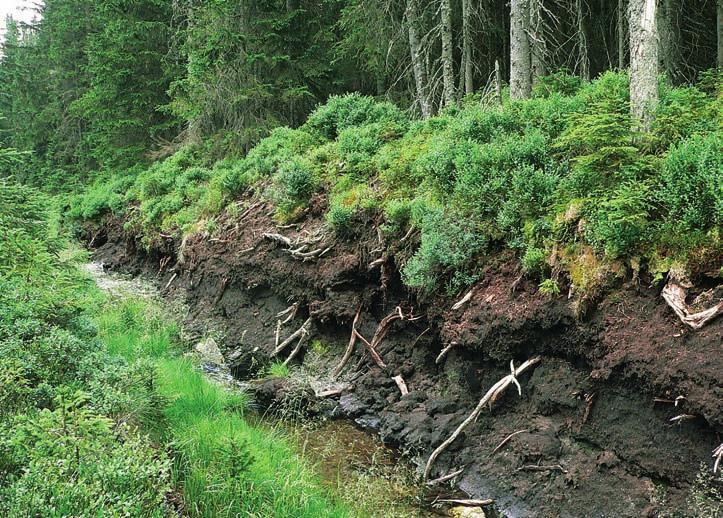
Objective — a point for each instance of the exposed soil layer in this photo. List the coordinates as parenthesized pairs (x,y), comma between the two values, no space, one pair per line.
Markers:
(596,411)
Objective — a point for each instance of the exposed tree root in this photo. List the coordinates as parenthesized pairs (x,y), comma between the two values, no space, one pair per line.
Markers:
(535,467)
(467,502)
(682,417)
(173,278)
(717,455)
(305,333)
(371,347)
(506,440)
(444,352)
(401,384)
(300,251)
(349,348)
(464,300)
(445,478)
(674,295)
(304,329)
(489,398)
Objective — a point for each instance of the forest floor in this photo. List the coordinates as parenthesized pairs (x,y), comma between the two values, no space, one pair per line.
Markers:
(598,431)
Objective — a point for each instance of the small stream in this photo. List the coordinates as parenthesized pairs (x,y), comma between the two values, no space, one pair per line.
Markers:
(353,464)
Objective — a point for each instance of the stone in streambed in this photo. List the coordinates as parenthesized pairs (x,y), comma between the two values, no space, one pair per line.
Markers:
(466,512)
(209,352)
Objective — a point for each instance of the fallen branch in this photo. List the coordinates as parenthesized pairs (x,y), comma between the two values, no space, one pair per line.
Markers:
(444,352)
(445,478)
(401,384)
(674,295)
(491,395)
(535,467)
(302,330)
(506,440)
(464,300)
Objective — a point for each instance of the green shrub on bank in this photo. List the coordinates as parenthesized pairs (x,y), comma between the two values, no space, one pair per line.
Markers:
(62,453)
(566,167)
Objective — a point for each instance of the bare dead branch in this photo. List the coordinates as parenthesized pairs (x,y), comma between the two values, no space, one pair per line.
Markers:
(491,395)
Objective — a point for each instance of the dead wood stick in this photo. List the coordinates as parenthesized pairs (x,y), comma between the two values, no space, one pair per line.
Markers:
(674,295)
(291,315)
(302,339)
(349,348)
(445,478)
(506,440)
(401,384)
(491,395)
(464,300)
(444,352)
(535,467)
(278,238)
(468,502)
(173,277)
(303,329)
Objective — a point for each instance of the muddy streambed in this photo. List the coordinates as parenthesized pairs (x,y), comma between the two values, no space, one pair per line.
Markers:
(353,464)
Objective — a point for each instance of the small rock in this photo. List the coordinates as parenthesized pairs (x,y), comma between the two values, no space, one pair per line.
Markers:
(209,351)
(466,512)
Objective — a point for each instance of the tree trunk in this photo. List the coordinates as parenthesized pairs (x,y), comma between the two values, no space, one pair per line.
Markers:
(538,48)
(467,45)
(669,38)
(447,57)
(520,63)
(621,34)
(643,61)
(582,52)
(418,67)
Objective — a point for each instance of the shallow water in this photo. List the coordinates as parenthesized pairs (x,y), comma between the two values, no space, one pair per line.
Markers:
(354,465)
